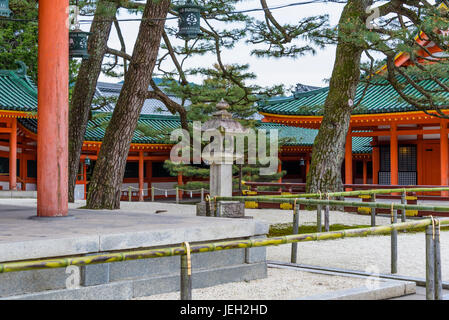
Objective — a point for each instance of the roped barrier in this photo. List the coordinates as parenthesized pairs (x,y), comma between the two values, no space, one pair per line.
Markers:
(433,265)
(139,193)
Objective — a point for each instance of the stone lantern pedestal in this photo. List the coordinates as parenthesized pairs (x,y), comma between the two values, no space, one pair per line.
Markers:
(221,167)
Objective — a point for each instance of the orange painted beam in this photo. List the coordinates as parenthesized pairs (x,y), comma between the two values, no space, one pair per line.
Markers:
(53,106)
(444,149)
(348,159)
(399,133)
(394,155)
(13,156)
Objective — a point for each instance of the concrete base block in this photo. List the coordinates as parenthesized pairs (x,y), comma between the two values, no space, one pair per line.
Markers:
(128,289)
(227,209)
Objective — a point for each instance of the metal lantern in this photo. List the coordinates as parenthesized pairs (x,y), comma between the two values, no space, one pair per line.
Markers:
(302,162)
(87,161)
(78,44)
(189,20)
(4,8)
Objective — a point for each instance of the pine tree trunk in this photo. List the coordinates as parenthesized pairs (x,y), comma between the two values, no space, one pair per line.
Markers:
(329,146)
(104,191)
(85,86)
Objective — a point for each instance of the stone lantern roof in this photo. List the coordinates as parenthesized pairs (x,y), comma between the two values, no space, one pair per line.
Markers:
(222,121)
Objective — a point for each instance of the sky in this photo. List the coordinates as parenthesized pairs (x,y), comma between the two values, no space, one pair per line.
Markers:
(309,69)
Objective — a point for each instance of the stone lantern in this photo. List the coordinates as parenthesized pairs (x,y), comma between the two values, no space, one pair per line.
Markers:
(221,162)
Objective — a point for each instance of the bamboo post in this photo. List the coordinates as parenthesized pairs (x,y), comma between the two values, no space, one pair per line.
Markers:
(129,194)
(430,264)
(208,206)
(217,209)
(326,218)
(437,253)
(186,275)
(394,244)
(294,256)
(404,201)
(202,194)
(152,194)
(373,212)
(177,195)
(318,218)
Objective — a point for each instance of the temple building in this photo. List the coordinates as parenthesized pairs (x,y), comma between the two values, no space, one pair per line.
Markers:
(18,142)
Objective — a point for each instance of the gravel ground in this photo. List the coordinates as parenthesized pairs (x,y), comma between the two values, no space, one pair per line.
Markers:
(281,284)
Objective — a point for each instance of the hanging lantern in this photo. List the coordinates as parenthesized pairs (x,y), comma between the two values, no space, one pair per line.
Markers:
(189,20)
(4,9)
(302,162)
(87,161)
(78,44)
(78,39)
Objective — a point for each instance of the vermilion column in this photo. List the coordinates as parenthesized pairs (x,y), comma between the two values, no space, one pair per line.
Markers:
(444,156)
(365,172)
(280,170)
(307,164)
(376,160)
(141,175)
(13,156)
(348,159)
(53,74)
(394,155)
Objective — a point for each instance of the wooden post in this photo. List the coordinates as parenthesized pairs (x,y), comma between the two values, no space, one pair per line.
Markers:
(13,155)
(129,194)
(307,164)
(294,256)
(404,201)
(394,180)
(186,279)
(141,175)
(430,264)
(444,149)
(326,218)
(152,194)
(373,211)
(394,245)
(348,159)
(53,107)
(177,195)
(376,159)
(365,172)
(179,192)
(202,194)
(318,218)
(437,253)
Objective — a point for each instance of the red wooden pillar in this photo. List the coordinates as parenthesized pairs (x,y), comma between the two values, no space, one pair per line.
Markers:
(13,155)
(348,159)
(307,164)
(365,172)
(394,155)
(53,106)
(141,175)
(444,156)
(420,169)
(85,179)
(376,161)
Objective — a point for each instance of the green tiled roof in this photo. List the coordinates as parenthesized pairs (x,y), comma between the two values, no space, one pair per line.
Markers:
(380,98)
(17,92)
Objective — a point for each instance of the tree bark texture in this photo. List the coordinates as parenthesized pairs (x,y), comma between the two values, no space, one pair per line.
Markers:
(329,146)
(104,191)
(85,86)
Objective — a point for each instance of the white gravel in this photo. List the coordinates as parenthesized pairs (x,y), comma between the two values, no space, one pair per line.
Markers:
(273,216)
(281,284)
(370,254)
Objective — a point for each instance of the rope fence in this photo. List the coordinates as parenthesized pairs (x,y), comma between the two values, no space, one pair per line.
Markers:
(152,191)
(433,264)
